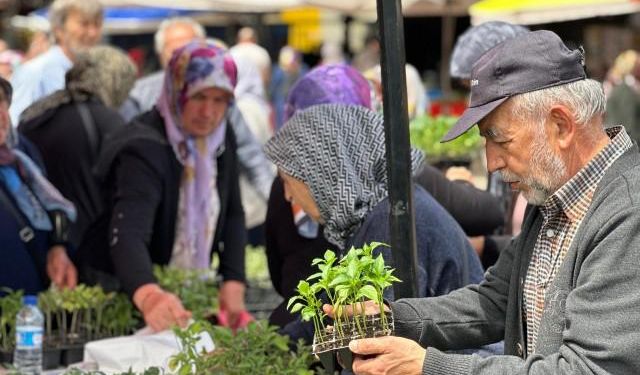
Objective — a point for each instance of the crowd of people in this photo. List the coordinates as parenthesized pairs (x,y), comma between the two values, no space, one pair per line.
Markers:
(104,174)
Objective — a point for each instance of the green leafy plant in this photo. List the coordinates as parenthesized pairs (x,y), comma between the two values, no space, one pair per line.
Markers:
(10,304)
(256,349)
(86,313)
(349,282)
(426,133)
(149,371)
(197,289)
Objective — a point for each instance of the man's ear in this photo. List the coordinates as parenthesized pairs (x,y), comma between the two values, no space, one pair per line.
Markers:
(563,126)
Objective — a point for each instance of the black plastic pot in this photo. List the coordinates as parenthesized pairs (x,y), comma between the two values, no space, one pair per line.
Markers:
(50,358)
(71,354)
(6,357)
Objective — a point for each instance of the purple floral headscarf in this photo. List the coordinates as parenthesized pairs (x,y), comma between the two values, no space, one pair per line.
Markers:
(192,68)
(329,84)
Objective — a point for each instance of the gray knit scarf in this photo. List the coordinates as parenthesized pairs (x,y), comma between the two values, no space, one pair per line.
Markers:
(338,151)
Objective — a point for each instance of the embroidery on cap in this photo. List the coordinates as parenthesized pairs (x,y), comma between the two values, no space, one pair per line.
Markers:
(474,82)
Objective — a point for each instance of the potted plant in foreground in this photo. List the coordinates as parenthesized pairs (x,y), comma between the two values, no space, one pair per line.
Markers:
(347,283)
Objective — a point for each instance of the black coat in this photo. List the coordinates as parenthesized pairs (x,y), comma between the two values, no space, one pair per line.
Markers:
(143,177)
(68,157)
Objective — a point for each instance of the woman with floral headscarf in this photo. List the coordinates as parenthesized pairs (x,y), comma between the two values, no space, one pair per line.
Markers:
(331,158)
(174,190)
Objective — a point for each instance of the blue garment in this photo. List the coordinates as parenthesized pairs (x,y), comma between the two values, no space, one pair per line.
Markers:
(446,259)
(18,269)
(38,78)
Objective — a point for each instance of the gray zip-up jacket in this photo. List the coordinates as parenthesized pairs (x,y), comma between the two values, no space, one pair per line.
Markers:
(591,320)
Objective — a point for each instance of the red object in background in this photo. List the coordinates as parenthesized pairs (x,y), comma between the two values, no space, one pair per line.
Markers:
(243,320)
(447,108)
(136,54)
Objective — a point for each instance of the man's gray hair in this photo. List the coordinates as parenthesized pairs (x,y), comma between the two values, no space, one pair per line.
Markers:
(585,98)
(60,10)
(159,37)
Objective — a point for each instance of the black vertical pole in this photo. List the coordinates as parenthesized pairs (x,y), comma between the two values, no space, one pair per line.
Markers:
(396,125)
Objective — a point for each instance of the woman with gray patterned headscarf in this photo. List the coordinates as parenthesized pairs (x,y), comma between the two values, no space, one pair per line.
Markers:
(331,157)
(69,126)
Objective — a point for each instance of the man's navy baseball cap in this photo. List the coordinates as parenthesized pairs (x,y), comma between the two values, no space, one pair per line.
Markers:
(526,63)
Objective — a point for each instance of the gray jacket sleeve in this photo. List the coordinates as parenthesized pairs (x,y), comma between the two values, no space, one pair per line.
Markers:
(597,322)
(253,163)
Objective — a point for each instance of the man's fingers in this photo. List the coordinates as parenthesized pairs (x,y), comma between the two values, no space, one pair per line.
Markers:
(369,346)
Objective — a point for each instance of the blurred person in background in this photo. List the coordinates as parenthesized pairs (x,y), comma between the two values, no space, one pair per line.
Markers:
(250,99)
(289,69)
(172,34)
(247,47)
(34,218)
(173,193)
(417,100)
(331,53)
(622,65)
(9,62)
(330,129)
(369,57)
(623,102)
(69,127)
(76,25)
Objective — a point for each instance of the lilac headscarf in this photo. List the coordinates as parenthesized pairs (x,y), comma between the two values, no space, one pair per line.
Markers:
(192,68)
(329,84)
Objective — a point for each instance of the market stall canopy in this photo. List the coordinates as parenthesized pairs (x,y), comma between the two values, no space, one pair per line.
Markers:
(529,12)
(127,20)
(410,8)
(234,6)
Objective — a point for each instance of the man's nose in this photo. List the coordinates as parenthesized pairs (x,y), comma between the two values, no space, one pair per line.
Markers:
(494,159)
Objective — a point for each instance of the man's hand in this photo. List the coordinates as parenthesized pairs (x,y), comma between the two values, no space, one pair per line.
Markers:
(60,270)
(387,355)
(160,309)
(370,308)
(231,298)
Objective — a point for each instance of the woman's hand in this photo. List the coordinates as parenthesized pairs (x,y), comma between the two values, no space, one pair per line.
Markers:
(160,309)
(60,269)
(231,298)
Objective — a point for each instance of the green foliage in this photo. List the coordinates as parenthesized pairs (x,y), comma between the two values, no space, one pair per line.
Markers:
(426,133)
(86,313)
(357,277)
(197,289)
(149,371)
(256,349)
(10,304)
(257,267)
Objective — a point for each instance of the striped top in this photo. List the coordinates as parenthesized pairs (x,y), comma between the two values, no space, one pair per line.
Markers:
(562,214)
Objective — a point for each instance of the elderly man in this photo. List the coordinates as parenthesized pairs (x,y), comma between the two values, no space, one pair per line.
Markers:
(563,295)
(172,34)
(76,26)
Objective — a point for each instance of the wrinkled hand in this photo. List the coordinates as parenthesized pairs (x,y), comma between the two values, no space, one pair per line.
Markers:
(60,269)
(370,308)
(160,309)
(388,355)
(231,298)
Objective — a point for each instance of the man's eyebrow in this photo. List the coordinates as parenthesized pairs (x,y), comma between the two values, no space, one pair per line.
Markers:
(490,132)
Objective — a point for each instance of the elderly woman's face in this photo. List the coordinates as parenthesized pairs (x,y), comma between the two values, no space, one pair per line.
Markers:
(203,112)
(5,123)
(296,191)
